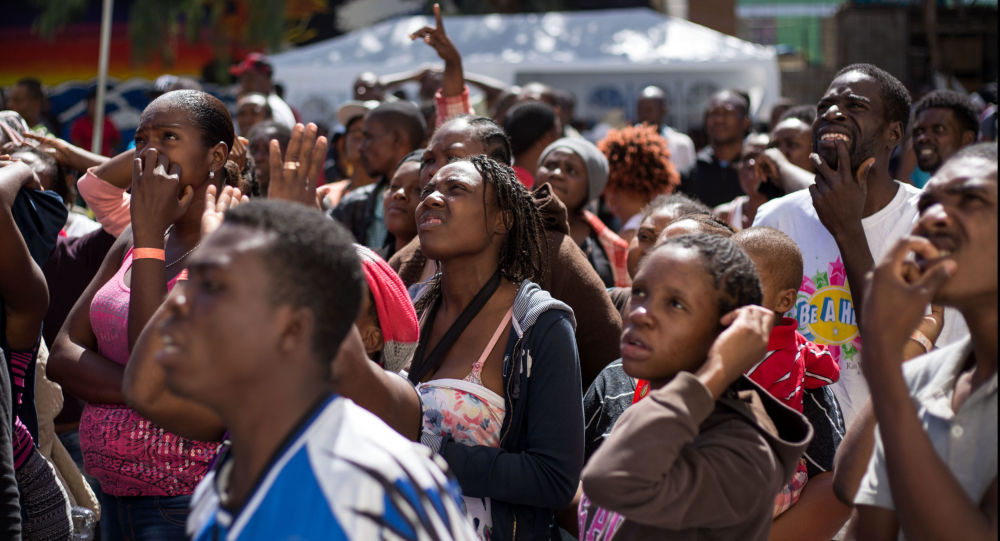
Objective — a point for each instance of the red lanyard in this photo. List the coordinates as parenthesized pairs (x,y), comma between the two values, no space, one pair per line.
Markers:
(641,390)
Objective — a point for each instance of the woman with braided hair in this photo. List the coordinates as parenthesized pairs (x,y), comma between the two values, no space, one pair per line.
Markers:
(496,366)
(639,170)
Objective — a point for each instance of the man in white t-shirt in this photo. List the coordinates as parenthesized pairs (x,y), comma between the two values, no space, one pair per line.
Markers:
(850,217)
(255,74)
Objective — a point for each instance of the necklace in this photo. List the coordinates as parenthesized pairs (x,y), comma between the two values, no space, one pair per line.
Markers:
(185,254)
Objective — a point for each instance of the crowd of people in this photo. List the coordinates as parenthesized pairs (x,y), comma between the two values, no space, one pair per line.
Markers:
(462,319)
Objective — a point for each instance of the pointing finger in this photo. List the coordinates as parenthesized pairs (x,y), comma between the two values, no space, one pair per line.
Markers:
(823,170)
(843,155)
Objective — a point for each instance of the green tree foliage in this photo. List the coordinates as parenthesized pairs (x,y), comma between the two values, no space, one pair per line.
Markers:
(156,26)
(55,14)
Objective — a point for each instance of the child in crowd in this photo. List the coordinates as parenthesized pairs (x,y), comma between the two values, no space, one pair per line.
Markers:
(399,203)
(613,389)
(658,214)
(387,322)
(705,453)
(793,363)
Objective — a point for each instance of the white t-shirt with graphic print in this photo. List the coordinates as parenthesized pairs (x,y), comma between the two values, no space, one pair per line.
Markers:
(824,309)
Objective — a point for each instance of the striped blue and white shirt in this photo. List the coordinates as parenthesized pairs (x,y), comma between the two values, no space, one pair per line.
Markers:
(344,475)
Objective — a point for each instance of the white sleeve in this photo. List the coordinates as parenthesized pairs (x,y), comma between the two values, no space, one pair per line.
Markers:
(874,489)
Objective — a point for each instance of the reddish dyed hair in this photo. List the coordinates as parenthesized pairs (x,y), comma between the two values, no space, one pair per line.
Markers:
(639,162)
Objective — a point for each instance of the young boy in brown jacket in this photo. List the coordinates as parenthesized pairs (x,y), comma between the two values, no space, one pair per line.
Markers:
(705,453)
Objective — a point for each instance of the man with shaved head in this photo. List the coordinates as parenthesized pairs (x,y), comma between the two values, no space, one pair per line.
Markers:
(651,109)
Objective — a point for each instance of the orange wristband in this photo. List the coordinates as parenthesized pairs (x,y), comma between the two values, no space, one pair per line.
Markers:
(149,253)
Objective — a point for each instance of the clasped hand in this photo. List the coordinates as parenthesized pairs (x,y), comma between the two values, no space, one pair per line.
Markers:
(158,199)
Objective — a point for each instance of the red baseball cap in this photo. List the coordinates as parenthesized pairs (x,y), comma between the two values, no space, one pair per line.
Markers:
(253,61)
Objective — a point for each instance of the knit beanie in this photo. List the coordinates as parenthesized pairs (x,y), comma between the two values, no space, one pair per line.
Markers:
(396,316)
(594,159)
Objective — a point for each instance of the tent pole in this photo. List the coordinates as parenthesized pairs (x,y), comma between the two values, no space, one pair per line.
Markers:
(102,77)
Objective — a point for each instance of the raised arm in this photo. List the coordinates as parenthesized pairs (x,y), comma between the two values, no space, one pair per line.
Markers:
(493,88)
(117,171)
(852,456)
(774,164)
(454,82)
(292,174)
(22,285)
(453,98)
(931,505)
(67,153)
(103,188)
(144,384)
(157,202)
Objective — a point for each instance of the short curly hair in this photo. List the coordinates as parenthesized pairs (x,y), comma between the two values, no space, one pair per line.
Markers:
(895,97)
(959,104)
(639,162)
(304,252)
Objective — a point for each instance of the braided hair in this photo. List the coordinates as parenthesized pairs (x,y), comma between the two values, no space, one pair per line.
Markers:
(522,254)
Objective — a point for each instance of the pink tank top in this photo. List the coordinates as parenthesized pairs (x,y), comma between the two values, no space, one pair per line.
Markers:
(127,453)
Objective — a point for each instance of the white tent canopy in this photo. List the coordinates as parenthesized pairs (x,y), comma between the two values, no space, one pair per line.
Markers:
(604,57)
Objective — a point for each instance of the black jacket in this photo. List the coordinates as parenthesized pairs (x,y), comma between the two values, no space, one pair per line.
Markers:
(536,469)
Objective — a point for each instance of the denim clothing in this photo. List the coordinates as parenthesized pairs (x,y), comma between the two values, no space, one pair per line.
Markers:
(143,518)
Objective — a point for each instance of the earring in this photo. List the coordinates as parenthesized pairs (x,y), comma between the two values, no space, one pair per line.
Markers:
(211,175)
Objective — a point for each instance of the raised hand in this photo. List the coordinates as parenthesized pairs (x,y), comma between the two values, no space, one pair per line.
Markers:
(65,152)
(453,82)
(897,292)
(211,219)
(53,146)
(238,154)
(839,195)
(157,197)
(436,37)
(293,178)
(16,175)
(737,348)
